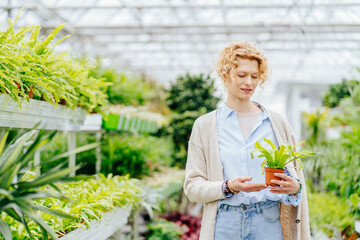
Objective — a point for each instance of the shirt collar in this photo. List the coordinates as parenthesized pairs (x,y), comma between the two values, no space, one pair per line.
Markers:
(227,111)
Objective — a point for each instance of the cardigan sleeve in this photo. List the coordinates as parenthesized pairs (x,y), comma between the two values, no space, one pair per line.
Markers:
(197,187)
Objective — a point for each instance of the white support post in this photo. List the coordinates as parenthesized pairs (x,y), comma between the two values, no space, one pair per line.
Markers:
(294,110)
(71,147)
(135,226)
(98,152)
(37,159)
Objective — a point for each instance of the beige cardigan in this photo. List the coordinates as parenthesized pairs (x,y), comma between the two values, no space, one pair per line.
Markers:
(204,176)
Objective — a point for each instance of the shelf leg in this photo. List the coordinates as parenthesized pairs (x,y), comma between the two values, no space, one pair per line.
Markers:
(37,159)
(136,225)
(71,147)
(98,152)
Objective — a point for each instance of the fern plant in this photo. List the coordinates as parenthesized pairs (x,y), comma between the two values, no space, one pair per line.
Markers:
(30,64)
(279,157)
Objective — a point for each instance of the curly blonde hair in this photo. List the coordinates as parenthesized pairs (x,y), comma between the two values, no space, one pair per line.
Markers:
(228,60)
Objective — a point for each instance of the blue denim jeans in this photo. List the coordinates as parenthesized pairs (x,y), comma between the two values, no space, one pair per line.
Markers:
(258,221)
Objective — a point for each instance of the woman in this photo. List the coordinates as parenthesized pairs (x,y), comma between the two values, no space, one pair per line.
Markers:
(220,172)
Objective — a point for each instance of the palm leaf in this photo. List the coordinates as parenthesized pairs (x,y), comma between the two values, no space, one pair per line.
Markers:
(48,178)
(5,230)
(3,141)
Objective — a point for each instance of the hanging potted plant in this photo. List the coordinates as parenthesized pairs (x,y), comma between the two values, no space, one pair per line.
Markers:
(277,158)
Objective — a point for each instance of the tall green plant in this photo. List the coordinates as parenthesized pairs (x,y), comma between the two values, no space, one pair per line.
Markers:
(17,192)
(316,124)
(189,97)
(192,92)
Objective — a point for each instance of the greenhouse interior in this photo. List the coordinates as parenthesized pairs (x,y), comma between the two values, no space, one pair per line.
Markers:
(104,106)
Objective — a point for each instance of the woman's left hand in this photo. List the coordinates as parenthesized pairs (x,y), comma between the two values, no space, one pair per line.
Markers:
(289,185)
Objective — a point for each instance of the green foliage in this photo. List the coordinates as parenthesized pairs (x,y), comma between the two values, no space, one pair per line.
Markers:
(86,200)
(316,124)
(17,192)
(162,229)
(135,155)
(350,108)
(167,188)
(278,157)
(131,89)
(28,64)
(121,154)
(336,168)
(329,213)
(192,92)
(336,171)
(189,97)
(179,129)
(338,91)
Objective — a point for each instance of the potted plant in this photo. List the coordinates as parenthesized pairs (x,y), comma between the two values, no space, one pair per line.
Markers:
(277,158)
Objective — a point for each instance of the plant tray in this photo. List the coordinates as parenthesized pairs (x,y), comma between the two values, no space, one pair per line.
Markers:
(110,223)
(126,123)
(49,116)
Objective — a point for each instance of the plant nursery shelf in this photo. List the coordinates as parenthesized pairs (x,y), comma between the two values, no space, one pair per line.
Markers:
(127,123)
(110,223)
(47,115)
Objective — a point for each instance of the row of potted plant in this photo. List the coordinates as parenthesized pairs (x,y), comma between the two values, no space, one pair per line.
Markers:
(29,68)
(85,200)
(51,204)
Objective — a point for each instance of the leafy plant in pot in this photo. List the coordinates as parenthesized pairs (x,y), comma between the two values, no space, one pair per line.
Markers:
(277,158)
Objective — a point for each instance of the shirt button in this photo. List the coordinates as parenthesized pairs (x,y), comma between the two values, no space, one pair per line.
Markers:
(244,207)
(297,220)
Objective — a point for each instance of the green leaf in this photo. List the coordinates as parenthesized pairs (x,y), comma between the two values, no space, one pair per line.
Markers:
(5,230)
(270,143)
(52,211)
(47,178)
(75,151)
(3,141)
(11,154)
(42,224)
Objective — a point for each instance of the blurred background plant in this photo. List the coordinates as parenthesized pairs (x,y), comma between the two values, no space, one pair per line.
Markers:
(334,176)
(121,153)
(189,97)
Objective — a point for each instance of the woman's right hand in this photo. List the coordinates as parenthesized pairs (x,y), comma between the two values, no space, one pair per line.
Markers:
(240,184)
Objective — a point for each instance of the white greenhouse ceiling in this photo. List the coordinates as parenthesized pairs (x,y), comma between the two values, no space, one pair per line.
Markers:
(305,41)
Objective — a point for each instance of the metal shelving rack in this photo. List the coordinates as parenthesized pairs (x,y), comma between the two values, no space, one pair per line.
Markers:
(49,117)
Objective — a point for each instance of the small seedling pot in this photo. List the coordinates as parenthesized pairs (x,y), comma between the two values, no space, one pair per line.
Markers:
(269,175)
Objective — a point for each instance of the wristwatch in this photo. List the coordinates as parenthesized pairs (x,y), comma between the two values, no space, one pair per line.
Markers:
(225,189)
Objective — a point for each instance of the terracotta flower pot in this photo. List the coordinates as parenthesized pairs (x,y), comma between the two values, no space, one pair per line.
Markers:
(62,102)
(269,175)
(31,92)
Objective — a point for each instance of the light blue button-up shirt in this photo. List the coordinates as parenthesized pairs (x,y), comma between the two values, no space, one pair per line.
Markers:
(236,160)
